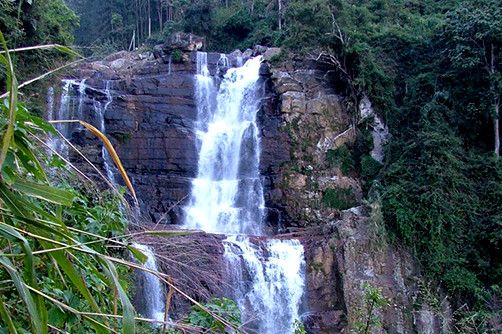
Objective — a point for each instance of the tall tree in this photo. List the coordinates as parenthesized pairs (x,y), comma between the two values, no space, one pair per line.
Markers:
(474,33)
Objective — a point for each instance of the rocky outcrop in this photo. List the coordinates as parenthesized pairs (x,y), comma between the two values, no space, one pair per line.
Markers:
(350,256)
(345,259)
(150,122)
(309,184)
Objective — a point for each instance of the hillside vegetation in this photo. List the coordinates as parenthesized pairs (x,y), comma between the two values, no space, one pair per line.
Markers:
(433,70)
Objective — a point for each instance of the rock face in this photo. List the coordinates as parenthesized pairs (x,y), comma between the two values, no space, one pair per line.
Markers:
(150,123)
(312,123)
(310,184)
(344,259)
(352,254)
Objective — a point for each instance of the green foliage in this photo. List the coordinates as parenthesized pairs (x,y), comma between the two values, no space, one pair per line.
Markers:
(367,320)
(369,170)
(222,307)
(339,198)
(341,158)
(433,202)
(121,137)
(301,33)
(299,328)
(177,56)
(50,270)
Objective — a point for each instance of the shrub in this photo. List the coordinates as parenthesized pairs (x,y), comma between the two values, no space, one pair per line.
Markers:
(340,158)
(177,56)
(339,198)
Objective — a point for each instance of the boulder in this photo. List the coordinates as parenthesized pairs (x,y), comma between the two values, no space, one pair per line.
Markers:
(158,51)
(185,42)
(271,52)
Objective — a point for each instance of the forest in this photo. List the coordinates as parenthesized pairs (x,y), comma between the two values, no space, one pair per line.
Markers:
(433,70)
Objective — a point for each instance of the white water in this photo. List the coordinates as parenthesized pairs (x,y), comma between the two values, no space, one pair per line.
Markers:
(66,111)
(270,285)
(50,117)
(81,96)
(151,286)
(227,197)
(100,110)
(63,113)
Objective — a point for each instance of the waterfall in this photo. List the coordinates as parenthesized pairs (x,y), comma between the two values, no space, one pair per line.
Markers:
(271,294)
(100,110)
(227,197)
(81,98)
(222,63)
(66,111)
(52,141)
(150,287)
(50,103)
(63,113)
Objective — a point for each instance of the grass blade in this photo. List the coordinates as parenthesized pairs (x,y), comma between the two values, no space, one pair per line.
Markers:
(44,192)
(4,314)
(24,293)
(12,88)
(128,320)
(111,150)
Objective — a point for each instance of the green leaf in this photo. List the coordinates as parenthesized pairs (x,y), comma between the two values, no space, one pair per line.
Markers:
(77,279)
(24,293)
(12,88)
(138,255)
(44,192)
(13,201)
(67,50)
(27,157)
(4,314)
(128,322)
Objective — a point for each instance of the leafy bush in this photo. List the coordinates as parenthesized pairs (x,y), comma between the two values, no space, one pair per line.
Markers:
(341,158)
(339,198)
(299,328)
(177,56)
(367,320)
(223,307)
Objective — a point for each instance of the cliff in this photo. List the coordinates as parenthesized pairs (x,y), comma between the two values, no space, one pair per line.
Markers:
(311,188)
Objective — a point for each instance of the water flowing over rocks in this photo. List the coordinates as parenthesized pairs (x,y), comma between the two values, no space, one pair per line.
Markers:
(149,111)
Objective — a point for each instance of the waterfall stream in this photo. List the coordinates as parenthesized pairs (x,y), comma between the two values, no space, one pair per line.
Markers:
(101,109)
(151,287)
(70,108)
(227,197)
(267,274)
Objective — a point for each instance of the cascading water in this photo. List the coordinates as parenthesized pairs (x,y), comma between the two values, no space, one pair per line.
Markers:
(151,286)
(66,111)
(52,143)
(81,94)
(63,113)
(100,110)
(227,197)
(270,297)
